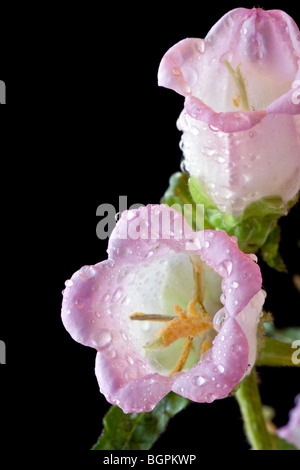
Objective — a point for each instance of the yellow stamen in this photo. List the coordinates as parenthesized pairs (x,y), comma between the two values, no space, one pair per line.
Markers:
(236,100)
(151,316)
(183,356)
(205,346)
(187,324)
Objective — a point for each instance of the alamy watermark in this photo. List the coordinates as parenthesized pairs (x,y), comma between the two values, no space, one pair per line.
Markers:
(296,354)
(154,225)
(2,352)
(2,92)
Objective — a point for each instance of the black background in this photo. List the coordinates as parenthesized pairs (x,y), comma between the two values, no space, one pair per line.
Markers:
(90,125)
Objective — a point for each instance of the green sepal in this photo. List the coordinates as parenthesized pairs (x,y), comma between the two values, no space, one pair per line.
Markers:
(179,197)
(256,229)
(138,431)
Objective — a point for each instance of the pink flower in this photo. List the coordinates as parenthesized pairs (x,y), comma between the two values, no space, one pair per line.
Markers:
(171,309)
(291,431)
(241,86)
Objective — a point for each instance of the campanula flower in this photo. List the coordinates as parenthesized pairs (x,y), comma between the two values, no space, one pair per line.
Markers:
(291,431)
(170,309)
(241,117)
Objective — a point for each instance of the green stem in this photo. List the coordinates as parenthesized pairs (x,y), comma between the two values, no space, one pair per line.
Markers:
(248,398)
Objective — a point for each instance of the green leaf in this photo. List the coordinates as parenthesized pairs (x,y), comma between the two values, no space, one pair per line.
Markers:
(270,251)
(179,197)
(134,431)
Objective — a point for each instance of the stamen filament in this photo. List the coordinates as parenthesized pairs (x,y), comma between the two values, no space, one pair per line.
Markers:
(151,316)
(199,280)
(187,345)
(240,84)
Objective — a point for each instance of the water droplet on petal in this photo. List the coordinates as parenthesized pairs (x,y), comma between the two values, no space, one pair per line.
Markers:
(219,319)
(87,272)
(253,257)
(220,369)
(209,398)
(117,294)
(235,348)
(68,283)
(198,380)
(225,268)
(200,46)
(129,359)
(102,339)
(234,285)
(206,244)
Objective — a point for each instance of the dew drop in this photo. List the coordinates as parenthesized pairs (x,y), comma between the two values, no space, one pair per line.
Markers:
(253,257)
(129,359)
(209,398)
(206,244)
(68,283)
(198,380)
(235,348)
(220,369)
(225,268)
(200,46)
(102,339)
(87,272)
(117,294)
(183,166)
(118,216)
(219,319)
(234,285)
(213,128)
(106,298)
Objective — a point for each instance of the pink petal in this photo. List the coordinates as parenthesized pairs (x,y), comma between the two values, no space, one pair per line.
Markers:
(291,431)
(226,122)
(221,369)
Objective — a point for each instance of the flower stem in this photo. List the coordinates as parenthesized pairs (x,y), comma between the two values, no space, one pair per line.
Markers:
(248,398)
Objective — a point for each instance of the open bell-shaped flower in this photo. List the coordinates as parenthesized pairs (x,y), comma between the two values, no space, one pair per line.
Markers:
(241,117)
(171,309)
(291,431)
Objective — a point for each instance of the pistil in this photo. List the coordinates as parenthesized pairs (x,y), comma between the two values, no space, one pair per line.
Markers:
(240,84)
